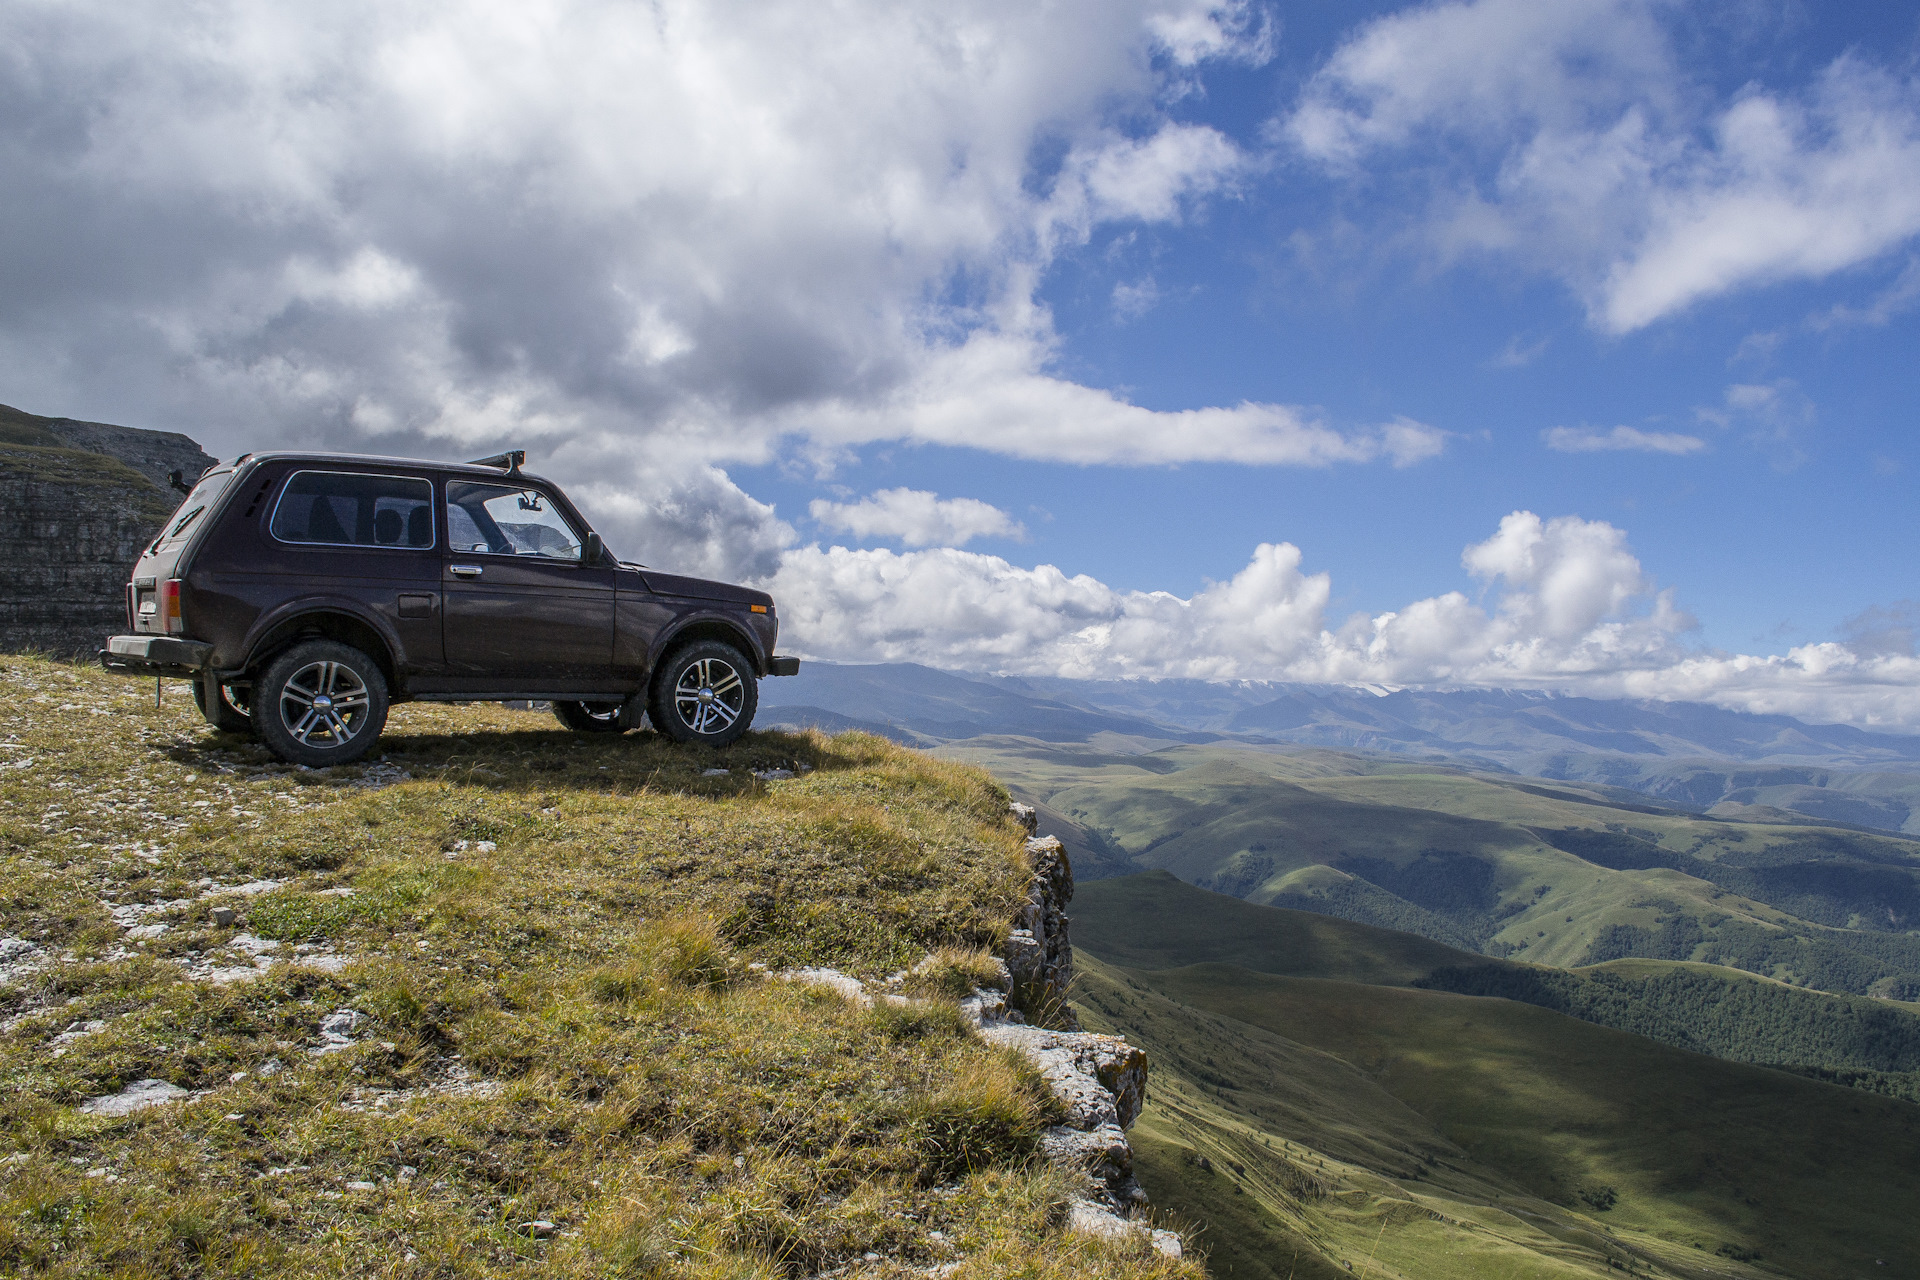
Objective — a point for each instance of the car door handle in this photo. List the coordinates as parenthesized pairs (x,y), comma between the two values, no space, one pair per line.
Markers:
(465,570)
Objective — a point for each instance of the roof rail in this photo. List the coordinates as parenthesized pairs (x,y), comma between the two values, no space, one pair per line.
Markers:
(508,462)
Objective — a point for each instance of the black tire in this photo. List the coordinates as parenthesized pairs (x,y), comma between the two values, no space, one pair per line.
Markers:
(589,717)
(343,729)
(229,711)
(711,703)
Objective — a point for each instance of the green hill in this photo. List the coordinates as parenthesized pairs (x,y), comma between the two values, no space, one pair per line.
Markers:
(1154,921)
(1724,1012)
(1422,1134)
(1563,873)
(1314,1096)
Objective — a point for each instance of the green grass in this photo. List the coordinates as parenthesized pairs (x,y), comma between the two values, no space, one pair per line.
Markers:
(57,463)
(1700,1153)
(557,944)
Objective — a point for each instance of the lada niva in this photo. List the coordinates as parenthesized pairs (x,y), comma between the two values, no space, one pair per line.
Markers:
(305,593)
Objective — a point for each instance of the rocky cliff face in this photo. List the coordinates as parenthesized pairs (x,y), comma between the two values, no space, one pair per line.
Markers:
(78,500)
(1101,1081)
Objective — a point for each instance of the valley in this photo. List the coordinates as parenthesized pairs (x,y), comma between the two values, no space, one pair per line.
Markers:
(1314,1109)
(1560,873)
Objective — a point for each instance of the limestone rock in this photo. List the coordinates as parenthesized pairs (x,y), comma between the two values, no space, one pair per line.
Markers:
(137,1096)
(1039,951)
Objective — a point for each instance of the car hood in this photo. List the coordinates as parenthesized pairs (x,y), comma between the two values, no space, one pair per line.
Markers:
(672,584)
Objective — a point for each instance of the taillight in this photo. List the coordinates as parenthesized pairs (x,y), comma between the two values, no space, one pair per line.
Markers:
(170,620)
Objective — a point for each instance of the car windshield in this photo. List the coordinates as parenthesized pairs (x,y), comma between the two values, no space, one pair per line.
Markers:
(505,521)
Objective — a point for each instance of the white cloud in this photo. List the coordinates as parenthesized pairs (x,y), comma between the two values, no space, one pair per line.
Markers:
(1620,439)
(992,392)
(1565,135)
(716,230)
(1572,609)
(917,517)
(1790,189)
(1896,299)
(1131,301)
(1774,417)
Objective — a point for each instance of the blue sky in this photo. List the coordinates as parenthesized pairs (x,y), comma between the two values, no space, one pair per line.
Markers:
(1491,342)
(1772,539)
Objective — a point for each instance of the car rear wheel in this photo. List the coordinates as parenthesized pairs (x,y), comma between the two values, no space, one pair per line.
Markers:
(320,703)
(589,717)
(228,712)
(705,693)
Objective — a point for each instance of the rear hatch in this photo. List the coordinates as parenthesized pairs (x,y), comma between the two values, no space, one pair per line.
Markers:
(153,597)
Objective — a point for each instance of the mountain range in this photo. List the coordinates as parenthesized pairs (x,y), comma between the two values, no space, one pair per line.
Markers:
(1684,755)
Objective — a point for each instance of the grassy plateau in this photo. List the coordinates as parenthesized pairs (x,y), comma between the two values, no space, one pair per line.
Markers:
(497,1002)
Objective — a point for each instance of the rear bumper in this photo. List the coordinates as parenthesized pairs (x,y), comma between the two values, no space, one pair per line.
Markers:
(155,656)
(783,666)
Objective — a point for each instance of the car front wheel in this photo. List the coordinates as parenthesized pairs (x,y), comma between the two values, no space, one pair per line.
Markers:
(704,693)
(320,703)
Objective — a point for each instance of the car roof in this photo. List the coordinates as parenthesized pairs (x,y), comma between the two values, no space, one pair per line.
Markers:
(374,459)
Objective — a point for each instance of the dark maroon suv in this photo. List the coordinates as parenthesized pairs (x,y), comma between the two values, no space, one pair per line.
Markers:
(304,593)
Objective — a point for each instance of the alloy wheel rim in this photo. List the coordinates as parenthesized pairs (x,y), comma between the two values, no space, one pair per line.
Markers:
(709,695)
(324,704)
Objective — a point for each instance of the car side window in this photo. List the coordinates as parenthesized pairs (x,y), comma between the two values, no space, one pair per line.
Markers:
(343,508)
(502,520)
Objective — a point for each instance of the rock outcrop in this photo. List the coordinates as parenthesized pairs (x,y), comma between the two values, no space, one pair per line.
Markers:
(154,454)
(1039,951)
(78,500)
(1101,1081)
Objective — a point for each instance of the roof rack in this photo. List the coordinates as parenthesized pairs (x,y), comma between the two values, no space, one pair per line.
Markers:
(508,462)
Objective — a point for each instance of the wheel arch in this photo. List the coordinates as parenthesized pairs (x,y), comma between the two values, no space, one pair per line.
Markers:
(695,630)
(327,622)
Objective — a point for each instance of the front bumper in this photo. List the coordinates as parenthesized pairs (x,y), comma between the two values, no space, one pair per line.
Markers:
(155,656)
(783,666)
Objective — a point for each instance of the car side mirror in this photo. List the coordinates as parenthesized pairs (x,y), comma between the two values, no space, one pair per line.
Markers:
(595,551)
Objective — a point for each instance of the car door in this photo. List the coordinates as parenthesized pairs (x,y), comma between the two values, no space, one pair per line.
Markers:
(339,533)
(522,613)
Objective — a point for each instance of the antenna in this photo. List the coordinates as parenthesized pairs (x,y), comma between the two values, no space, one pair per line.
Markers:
(508,462)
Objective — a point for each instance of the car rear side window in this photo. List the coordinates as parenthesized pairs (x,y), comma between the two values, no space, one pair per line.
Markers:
(504,521)
(350,509)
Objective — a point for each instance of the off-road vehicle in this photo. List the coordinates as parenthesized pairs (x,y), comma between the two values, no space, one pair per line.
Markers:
(305,593)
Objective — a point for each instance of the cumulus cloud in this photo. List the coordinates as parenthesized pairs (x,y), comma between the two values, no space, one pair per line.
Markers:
(1620,440)
(714,230)
(917,517)
(958,609)
(1568,137)
(1570,607)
